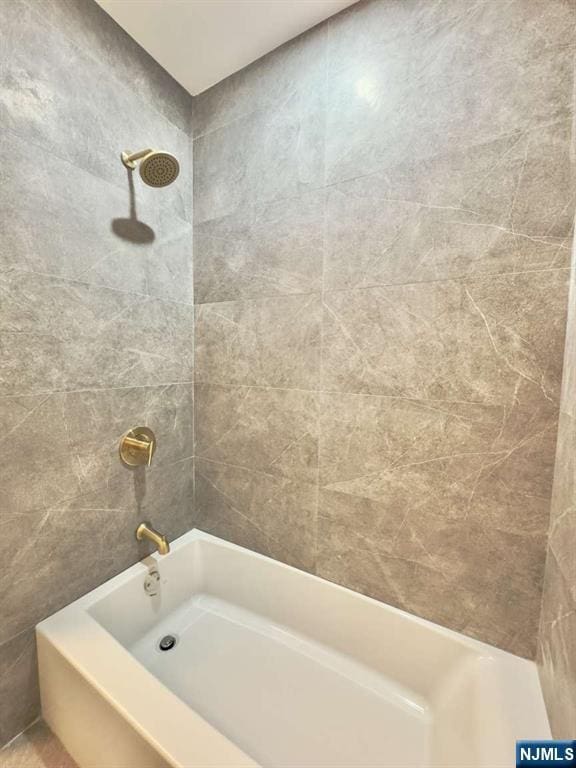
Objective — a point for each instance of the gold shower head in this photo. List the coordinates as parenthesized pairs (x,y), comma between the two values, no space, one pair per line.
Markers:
(157,169)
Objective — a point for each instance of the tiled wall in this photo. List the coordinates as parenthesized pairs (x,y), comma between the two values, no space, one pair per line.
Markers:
(383,215)
(96,317)
(557,648)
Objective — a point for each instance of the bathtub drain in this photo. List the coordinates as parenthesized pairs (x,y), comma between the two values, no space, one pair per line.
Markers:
(167,643)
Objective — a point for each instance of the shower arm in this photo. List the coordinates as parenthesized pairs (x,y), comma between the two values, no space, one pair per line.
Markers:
(129,159)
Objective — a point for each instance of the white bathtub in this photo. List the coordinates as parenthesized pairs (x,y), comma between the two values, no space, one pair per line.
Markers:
(272,667)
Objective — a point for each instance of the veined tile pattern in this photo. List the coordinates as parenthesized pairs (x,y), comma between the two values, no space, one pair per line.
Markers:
(270,430)
(19,691)
(557,640)
(264,250)
(96,318)
(450,340)
(83,336)
(383,228)
(463,213)
(38,94)
(272,514)
(264,342)
(264,156)
(416,94)
(101,240)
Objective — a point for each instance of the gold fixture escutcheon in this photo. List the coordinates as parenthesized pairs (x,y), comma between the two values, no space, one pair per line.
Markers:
(137,447)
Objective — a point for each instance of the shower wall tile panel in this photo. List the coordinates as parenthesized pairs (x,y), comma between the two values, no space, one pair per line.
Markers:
(557,641)
(383,229)
(270,430)
(267,249)
(266,512)
(262,342)
(96,317)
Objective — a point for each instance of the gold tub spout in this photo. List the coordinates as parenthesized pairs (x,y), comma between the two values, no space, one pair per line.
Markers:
(145,531)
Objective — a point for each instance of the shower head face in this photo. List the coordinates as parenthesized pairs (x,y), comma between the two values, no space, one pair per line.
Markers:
(158,169)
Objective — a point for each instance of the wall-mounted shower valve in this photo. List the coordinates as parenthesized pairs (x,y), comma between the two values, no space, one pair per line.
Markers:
(137,447)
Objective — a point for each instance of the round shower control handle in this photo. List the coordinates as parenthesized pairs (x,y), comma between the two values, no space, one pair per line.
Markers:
(137,447)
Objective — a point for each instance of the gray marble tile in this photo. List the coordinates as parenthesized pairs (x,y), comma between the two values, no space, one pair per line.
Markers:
(154,260)
(36,748)
(81,336)
(19,694)
(67,222)
(54,555)
(372,23)
(490,465)
(273,515)
(268,342)
(96,420)
(170,268)
(44,100)
(557,638)
(401,583)
(267,430)
(62,445)
(562,534)
(505,206)
(455,573)
(37,466)
(263,157)
(296,66)
(508,618)
(414,97)
(96,288)
(87,26)
(370,525)
(448,37)
(557,652)
(497,340)
(263,250)
(568,401)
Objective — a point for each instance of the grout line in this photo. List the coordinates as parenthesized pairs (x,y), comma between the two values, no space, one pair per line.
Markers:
(52,152)
(344,393)
(456,279)
(49,150)
(266,297)
(319,409)
(226,124)
(256,471)
(194,325)
(323,291)
(51,392)
(517,132)
(234,385)
(340,68)
(98,286)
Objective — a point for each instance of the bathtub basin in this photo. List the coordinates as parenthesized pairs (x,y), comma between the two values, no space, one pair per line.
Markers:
(272,667)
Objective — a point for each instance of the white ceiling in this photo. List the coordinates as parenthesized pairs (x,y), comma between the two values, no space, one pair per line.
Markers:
(200,42)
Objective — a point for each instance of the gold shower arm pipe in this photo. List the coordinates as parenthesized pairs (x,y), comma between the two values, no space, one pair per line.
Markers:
(129,160)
